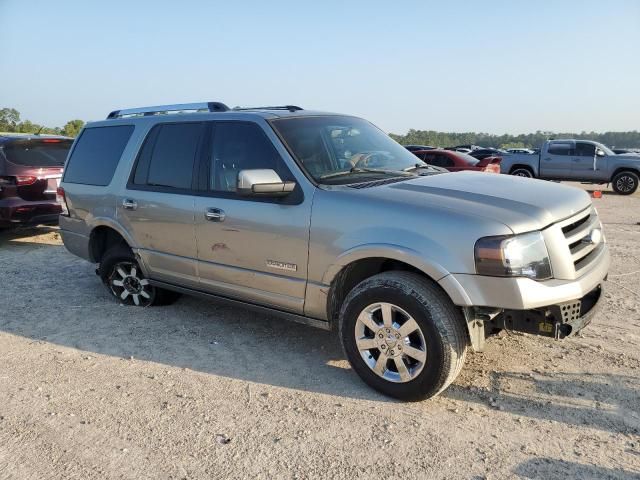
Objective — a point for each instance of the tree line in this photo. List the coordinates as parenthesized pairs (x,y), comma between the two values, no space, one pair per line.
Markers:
(525,140)
(10,122)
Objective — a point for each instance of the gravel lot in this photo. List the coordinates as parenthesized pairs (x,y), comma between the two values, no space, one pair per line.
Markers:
(91,389)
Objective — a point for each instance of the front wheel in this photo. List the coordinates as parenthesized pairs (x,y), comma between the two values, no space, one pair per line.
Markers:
(402,335)
(625,183)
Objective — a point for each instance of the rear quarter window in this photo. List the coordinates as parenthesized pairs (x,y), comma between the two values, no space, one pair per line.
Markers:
(96,155)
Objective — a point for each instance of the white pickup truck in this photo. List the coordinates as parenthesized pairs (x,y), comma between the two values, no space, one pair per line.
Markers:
(577,160)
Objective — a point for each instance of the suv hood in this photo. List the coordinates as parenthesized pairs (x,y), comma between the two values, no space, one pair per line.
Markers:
(522,204)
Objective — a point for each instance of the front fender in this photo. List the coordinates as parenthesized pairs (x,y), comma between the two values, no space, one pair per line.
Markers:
(385,250)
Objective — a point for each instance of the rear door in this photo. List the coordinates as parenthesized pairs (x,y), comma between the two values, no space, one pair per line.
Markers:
(556,161)
(157,205)
(253,249)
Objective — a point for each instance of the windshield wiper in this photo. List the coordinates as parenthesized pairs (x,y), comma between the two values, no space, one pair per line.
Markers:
(365,170)
(417,166)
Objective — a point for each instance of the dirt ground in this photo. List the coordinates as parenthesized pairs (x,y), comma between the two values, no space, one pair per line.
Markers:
(91,389)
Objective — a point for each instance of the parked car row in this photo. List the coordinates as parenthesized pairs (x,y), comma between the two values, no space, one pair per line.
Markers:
(574,160)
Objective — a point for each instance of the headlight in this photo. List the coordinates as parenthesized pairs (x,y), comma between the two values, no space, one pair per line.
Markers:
(513,256)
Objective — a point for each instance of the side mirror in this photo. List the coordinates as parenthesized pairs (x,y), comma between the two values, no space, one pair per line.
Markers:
(263,182)
(600,152)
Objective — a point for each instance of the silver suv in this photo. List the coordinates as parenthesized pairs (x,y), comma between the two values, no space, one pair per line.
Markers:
(323,219)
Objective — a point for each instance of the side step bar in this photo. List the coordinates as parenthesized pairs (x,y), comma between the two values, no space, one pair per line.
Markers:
(313,322)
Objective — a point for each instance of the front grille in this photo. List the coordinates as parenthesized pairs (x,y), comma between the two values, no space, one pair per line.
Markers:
(577,231)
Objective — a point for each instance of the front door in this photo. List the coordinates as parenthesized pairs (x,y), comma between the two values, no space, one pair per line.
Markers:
(250,248)
(556,161)
(158,204)
(584,161)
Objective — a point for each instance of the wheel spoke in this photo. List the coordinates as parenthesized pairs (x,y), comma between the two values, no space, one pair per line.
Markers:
(408,327)
(145,294)
(416,353)
(366,343)
(136,299)
(402,369)
(117,283)
(134,271)
(381,364)
(121,272)
(387,316)
(124,294)
(144,282)
(368,321)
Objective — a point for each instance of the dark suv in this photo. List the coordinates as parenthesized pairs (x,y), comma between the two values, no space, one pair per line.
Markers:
(30,172)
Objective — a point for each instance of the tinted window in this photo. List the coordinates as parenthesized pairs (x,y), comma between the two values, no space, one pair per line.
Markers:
(441,161)
(240,146)
(560,149)
(585,149)
(168,155)
(96,154)
(46,152)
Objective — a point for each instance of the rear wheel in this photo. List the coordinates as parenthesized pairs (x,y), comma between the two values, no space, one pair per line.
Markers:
(403,335)
(522,172)
(625,183)
(121,273)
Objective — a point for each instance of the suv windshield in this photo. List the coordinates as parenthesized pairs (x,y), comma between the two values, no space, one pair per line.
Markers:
(45,152)
(339,149)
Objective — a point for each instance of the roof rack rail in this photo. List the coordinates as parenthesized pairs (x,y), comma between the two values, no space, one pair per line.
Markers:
(291,108)
(165,109)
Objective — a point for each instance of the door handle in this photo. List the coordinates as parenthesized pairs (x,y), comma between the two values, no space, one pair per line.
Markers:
(214,215)
(547,159)
(129,204)
(576,159)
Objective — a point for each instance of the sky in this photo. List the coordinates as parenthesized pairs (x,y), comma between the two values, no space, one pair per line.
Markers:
(510,66)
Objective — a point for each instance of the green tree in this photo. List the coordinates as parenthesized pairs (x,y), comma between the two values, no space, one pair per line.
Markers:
(9,118)
(72,128)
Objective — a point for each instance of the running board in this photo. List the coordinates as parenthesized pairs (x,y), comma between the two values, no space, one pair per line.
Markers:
(293,317)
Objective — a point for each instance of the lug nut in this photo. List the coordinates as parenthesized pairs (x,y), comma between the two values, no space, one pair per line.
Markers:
(397,335)
(383,347)
(392,352)
(381,336)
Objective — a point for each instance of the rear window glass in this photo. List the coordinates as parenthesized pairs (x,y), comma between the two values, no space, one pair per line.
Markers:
(46,152)
(560,149)
(96,155)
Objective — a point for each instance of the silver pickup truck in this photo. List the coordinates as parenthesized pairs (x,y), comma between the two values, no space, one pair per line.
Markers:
(323,219)
(577,160)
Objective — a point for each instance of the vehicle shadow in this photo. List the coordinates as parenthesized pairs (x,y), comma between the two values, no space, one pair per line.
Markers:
(14,236)
(607,402)
(551,469)
(66,304)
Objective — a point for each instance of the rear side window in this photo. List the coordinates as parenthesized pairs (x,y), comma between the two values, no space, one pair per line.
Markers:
(96,155)
(442,161)
(46,152)
(168,156)
(560,149)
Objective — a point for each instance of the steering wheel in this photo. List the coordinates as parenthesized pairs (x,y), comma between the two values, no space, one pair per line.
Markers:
(367,159)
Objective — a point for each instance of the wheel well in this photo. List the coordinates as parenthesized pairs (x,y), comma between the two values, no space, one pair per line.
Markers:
(516,167)
(624,169)
(101,240)
(354,273)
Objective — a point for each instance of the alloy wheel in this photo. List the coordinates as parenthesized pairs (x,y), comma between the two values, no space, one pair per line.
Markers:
(390,342)
(129,285)
(625,183)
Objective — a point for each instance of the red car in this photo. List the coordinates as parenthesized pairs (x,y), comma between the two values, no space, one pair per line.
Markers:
(30,172)
(458,161)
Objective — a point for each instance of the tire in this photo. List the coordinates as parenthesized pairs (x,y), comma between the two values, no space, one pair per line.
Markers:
(625,183)
(522,172)
(432,354)
(123,277)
